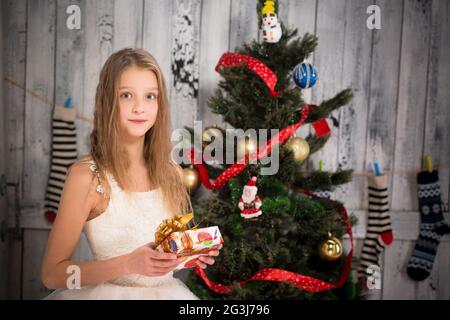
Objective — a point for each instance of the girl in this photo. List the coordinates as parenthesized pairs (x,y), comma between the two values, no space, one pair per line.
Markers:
(121,192)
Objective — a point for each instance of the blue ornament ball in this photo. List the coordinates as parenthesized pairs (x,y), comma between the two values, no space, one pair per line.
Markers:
(305,76)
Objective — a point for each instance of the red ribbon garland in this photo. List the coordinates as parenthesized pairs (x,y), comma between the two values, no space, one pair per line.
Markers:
(234,59)
(239,166)
(306,283)
(268,76)
(321,127)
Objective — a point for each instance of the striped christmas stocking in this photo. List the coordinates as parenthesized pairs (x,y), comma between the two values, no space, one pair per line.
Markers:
(379,231)
(432,226)
(64,153)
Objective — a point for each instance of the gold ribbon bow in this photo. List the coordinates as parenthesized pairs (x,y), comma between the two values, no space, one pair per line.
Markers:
(172,225)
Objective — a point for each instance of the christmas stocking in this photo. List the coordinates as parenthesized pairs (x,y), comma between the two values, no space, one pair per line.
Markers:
(64,153)
(432,226)
(379,231)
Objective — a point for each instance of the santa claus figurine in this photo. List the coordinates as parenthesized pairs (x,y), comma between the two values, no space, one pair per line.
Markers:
(250,203)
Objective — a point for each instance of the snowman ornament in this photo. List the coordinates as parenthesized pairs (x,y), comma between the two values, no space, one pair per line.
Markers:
(271,28)
(250,203)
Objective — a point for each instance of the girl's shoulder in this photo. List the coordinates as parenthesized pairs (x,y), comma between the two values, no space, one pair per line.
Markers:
(86,169)
(85,177)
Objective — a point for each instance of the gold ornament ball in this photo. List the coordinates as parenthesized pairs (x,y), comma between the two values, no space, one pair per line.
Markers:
(246,146)
(330,249)
(209,133)
(191,179)
(299,147)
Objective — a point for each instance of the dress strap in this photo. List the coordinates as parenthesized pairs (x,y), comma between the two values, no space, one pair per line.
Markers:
(93,167)
(100,189)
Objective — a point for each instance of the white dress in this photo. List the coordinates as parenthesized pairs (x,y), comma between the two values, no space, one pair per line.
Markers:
(123,227)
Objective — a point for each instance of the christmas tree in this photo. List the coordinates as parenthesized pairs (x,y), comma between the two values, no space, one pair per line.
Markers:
(280,230)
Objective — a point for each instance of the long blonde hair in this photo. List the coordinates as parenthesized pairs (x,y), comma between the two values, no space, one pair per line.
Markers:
(107,151)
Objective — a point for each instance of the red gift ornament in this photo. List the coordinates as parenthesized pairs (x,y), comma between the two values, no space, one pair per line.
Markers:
(321,127)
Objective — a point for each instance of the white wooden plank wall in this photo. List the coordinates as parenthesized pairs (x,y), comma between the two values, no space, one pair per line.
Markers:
(400,75)
(381,121)
(15,41)
(40,63)
(436,125)
(3,197)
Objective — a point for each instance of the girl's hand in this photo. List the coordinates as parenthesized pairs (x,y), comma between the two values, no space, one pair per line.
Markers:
(147,261)
(203,261)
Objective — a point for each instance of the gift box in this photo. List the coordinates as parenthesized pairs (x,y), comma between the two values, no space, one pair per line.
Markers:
(188,245)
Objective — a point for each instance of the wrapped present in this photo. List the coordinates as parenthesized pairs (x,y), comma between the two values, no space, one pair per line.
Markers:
(188,245)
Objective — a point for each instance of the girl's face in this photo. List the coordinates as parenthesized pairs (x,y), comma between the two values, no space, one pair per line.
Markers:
(138,101)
